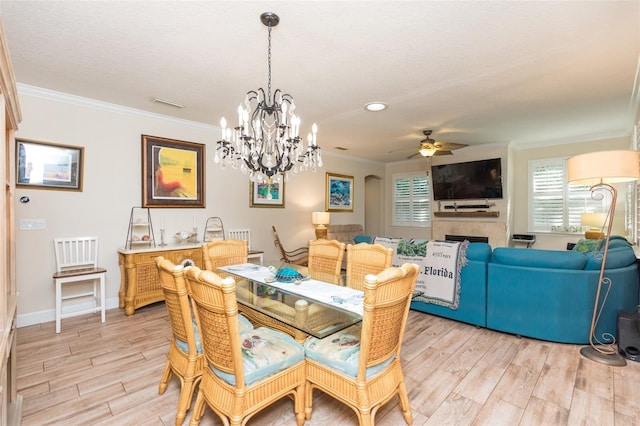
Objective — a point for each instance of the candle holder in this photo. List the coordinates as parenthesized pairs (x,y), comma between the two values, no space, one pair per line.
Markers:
(162,243)
(195,234)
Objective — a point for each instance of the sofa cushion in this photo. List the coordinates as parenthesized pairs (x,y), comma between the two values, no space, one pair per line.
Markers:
(617,257)
(479,251)
(535,258)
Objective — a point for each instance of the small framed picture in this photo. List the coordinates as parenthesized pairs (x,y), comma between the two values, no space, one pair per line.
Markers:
(172,173)
(339,193)
(266,194)
(46,165)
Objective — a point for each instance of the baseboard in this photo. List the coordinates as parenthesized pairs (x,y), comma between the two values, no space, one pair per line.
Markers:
(49,315)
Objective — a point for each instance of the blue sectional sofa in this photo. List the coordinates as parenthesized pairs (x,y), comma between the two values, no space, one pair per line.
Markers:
(544,294)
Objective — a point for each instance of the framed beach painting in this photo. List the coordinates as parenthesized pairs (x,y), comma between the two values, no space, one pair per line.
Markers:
(266,194)
(46,165)
(173,173)
(339,193)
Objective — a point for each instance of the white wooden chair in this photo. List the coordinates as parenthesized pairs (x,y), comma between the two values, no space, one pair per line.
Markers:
(76,262)
(245,235)
(240,234)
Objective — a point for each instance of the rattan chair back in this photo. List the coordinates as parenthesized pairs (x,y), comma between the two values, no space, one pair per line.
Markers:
(217,313)
(325,260)
(224,253)
(364,259)
(387,297)
(186,365)
(216,310)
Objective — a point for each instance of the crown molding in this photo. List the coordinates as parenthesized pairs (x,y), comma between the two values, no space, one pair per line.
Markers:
(52,95)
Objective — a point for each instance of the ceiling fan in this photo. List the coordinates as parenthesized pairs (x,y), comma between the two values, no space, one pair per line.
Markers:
(430,147)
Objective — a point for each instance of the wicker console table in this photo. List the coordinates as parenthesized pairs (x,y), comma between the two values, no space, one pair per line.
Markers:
(139,283)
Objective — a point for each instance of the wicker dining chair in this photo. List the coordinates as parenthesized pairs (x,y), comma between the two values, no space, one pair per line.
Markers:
(298,256)
(360,366)
(364,259)
(185,358)
(246,371)
(325,260)
(224,253)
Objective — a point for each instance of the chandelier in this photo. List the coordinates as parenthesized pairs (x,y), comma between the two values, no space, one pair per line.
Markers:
(266,144)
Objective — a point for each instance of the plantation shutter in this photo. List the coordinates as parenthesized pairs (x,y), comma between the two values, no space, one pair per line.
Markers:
(411,200)
(557,206)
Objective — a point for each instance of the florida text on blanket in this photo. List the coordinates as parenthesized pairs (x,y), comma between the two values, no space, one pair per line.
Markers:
(440,266)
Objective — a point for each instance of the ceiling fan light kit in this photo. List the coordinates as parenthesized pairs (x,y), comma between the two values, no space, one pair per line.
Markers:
(430,147)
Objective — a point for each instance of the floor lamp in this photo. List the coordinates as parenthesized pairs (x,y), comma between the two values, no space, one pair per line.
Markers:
(601,170)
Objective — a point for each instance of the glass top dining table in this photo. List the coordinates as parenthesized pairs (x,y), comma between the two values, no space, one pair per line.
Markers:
(282,296)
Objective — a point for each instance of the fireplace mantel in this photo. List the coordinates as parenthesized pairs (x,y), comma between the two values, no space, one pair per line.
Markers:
(467,214)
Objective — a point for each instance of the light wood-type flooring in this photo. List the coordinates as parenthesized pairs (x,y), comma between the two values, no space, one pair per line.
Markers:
(456,374)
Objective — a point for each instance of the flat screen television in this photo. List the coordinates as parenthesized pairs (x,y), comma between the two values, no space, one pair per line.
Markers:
(471,180)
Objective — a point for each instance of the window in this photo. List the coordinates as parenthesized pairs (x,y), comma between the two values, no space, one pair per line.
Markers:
(557,206)
(411,200)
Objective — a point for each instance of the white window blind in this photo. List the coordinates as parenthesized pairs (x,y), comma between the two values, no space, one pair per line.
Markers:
(556,206)
(411,200)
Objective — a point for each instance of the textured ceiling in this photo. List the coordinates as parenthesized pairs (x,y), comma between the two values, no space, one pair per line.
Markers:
(476,73)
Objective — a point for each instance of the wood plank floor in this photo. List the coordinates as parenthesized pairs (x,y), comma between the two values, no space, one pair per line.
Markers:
(108,374)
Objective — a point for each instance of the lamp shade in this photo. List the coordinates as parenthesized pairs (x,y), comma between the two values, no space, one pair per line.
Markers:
(320,218)
(595,220)
(603,167)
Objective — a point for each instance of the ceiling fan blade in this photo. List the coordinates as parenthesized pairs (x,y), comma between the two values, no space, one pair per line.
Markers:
(448,146)
(413,155)
(443,152)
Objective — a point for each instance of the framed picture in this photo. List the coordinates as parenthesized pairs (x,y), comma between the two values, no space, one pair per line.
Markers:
(266,194)
(46,165)
(339,196)
(173,173)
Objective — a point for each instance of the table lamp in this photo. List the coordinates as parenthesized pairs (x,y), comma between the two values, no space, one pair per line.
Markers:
(595,222)
(601,170)
(320,219)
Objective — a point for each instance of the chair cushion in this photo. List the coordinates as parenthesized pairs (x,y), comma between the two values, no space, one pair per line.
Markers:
(265,352)
(243,323)
(341,351)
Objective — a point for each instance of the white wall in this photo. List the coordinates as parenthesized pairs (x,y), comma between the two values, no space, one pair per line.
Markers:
(112,185)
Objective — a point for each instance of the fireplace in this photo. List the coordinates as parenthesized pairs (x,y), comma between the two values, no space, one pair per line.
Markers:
(496,232)
(470,238)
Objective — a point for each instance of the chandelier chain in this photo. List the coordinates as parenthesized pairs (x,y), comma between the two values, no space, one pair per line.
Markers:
(269,61)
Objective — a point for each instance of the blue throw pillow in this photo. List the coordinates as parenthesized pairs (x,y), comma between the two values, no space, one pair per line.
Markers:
(362,239)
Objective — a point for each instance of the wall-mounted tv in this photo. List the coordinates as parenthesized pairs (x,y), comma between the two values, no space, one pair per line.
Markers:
(471,180)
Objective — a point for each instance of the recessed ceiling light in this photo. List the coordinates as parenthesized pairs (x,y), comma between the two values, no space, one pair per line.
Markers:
(375,106)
